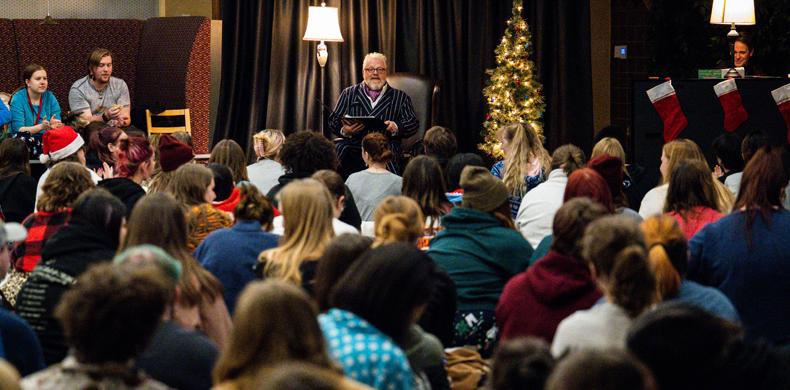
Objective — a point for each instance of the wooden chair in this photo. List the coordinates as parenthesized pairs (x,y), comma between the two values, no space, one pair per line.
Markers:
(168,129)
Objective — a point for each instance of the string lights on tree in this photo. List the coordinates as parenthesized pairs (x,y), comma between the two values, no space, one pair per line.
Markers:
(512,93)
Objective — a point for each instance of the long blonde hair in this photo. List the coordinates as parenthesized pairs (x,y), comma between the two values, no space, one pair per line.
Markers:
(685,149)
(307,209)
(525,147)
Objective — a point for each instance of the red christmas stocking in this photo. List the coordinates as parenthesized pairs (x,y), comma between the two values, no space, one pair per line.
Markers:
(667,104)
(730,99)
(782,99)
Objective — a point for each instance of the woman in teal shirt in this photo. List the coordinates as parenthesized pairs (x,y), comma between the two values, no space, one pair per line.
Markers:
(5,114)
(34,109)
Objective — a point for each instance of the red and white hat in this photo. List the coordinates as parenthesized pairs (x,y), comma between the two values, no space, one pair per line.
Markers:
(60,143)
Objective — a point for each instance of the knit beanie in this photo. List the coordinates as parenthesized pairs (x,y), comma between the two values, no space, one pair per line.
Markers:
(611,169)
(172,153)
(147,254)
(482,191)
(60,143)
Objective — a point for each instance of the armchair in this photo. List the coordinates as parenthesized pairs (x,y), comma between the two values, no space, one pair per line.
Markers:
(424,94)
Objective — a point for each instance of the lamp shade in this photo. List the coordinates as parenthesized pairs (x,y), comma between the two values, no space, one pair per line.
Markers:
(732,11)
(323,24)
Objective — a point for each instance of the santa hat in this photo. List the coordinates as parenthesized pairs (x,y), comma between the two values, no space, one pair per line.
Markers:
(60,143)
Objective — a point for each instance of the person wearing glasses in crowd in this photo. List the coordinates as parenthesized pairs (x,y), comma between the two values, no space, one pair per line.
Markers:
(373,97)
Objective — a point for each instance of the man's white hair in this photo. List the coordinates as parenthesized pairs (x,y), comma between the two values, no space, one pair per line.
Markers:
(374,55)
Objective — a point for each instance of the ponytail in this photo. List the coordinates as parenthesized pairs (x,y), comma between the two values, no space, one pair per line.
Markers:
(568,157)
(398,218)
(667,277)
(668,254)
(615,246)
(397,227)
(631,283)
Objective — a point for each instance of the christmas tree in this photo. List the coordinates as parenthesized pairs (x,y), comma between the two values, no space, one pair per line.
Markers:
(512,93)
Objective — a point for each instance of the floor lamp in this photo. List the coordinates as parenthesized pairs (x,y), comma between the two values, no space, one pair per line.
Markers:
(732,12)
(323,25)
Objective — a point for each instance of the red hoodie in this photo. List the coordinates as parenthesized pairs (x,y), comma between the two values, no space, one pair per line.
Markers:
(534,302)
(230,202)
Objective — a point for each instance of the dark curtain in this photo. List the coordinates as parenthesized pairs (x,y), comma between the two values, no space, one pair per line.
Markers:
(561,34)
(246,61)
(271,77)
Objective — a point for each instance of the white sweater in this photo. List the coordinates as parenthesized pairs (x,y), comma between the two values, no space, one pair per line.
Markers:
(535,217)
(602,326)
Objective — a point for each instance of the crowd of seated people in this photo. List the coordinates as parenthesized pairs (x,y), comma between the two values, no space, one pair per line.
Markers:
(129,265)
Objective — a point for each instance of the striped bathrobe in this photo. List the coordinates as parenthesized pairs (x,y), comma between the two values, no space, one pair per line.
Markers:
(393,105)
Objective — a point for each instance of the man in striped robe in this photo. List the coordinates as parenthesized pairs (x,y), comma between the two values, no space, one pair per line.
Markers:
(371,97)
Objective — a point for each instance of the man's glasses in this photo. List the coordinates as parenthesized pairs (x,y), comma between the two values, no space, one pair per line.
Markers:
(375,70)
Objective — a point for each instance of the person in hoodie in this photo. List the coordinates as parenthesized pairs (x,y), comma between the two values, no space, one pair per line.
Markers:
(480,249)
(62,188)
(135,163)
(91,237)
(534,302)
